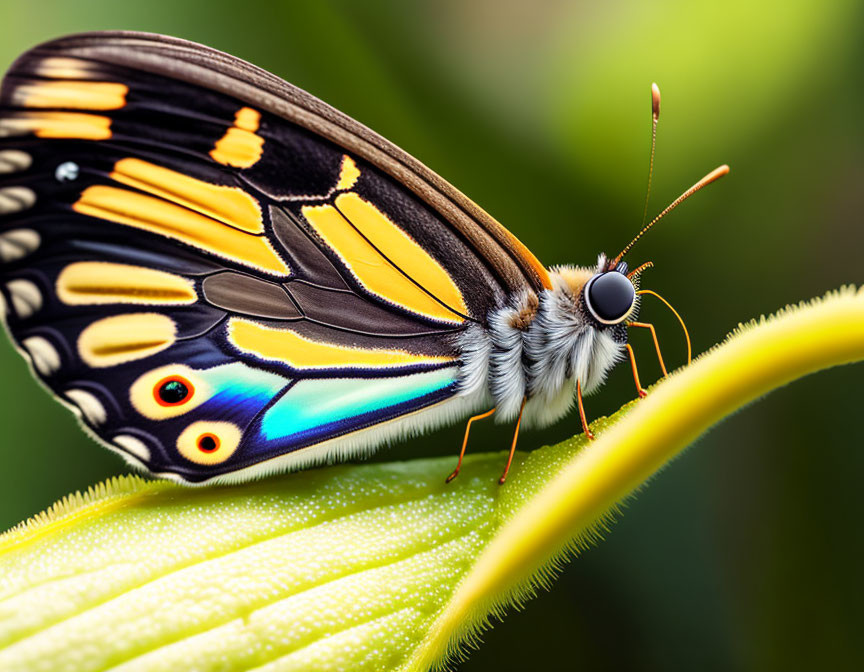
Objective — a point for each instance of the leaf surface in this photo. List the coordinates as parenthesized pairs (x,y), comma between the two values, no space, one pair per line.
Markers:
(370,567)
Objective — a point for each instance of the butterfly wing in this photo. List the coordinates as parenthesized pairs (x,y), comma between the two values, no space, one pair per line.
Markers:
(222,275)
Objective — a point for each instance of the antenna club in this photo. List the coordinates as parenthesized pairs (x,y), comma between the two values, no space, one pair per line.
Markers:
(655,101)
(715,174)
(655,116)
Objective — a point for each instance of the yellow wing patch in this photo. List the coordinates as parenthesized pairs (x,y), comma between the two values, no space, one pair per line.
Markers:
(98,282)
(125,338)
(241,146)
(247,119)
(171,219)
(373,271)
(290,348)
(71,94)
(348,174)
(58,125)
(229,205)
(65,68)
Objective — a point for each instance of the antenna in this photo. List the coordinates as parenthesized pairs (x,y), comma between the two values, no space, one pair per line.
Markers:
(715,174)
(655,117)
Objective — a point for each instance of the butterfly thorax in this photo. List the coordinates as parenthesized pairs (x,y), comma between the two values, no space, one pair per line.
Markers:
(537,347)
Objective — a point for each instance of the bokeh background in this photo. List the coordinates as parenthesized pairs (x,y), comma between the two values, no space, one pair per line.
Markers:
(745,554)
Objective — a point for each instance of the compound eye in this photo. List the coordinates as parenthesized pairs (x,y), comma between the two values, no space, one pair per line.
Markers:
(610,297)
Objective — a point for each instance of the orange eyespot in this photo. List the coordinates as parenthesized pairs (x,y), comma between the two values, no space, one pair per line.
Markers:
(173,391)
(209,443)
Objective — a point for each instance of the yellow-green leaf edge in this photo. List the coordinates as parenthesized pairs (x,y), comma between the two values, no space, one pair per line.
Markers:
(473,547)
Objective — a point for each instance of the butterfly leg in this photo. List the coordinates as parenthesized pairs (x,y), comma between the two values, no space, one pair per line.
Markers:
(513,445)
(650,327)
(588,433)
(465,442)
(642,391)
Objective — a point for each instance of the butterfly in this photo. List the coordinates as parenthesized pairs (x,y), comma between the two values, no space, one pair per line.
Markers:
(224,277)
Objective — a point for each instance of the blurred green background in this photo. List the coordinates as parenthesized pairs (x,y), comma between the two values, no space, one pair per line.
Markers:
(746,553)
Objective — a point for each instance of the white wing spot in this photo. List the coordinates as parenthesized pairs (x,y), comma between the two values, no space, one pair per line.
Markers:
(14,161)
(26,297)
(133,446)
(45,358)
(91,408)
(18,243)
(67,172)
(16,199)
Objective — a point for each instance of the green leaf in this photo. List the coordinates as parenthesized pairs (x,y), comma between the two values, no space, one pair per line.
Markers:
(372,567)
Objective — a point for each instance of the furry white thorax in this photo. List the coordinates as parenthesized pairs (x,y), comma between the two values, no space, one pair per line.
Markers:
(537,348)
